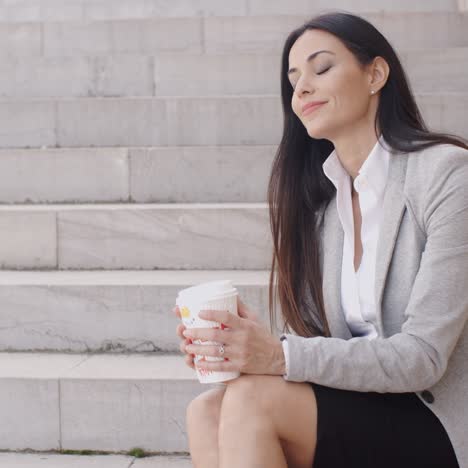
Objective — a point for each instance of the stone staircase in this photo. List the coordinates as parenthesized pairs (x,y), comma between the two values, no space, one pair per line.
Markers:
(137,138)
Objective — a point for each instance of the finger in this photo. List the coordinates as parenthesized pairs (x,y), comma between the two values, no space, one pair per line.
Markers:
(221,316)
(183,345)
(221,366)
(176,311)
(180,330)
(208,334)
(204,350)
(189,361)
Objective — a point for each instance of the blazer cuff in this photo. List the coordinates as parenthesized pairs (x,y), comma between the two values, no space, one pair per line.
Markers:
(284,342)
(291,346)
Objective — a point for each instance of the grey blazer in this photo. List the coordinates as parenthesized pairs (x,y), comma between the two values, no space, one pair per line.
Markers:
(421,292)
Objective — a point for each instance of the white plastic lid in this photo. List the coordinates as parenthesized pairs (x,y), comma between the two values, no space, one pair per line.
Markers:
(208,290)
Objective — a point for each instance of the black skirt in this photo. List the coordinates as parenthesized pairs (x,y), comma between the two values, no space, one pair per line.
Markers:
(378,430)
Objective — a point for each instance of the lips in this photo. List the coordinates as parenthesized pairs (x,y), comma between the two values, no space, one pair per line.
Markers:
(308,108)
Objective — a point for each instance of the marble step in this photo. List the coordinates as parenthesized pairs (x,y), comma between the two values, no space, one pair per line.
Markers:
(58,10)
(56,460)
(54,401)
(429,70)
(145,236)
(174,174)
(169,121)
(108,311)
(224,34)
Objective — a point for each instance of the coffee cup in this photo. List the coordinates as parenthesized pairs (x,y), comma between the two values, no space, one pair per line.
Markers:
(212,295)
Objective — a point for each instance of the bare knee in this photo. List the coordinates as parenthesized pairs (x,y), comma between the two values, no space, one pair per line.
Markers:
(254,392)
(205,408)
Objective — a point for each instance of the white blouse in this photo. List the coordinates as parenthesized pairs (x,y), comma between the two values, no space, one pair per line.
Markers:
(357,287)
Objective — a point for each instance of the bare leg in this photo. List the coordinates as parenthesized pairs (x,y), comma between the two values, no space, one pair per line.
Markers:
(251,443)
(202,426)
(267,422)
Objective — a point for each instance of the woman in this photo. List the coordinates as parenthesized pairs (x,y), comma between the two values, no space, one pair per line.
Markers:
(369,216)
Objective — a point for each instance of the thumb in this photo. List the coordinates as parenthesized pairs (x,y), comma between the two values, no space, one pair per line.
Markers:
(244,312)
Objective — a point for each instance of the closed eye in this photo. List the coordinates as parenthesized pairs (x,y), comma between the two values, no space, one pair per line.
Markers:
(324,71)
(319,73)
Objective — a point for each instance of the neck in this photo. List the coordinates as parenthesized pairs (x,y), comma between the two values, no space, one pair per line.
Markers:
(353,149)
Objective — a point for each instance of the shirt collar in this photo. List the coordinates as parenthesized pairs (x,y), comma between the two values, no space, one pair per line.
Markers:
(374,170)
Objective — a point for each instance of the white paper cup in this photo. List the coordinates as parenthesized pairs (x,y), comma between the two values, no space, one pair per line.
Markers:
(214,295)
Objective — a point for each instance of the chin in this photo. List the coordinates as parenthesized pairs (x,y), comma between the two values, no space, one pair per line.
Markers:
(316,132)
(320,130)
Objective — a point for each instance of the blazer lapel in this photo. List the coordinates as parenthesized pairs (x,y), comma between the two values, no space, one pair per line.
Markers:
(393,208)
(332,259)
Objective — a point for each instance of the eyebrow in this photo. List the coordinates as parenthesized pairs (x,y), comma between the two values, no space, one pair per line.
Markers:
(311,57)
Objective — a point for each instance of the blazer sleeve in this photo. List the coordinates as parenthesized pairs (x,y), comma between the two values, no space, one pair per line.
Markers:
(417,357)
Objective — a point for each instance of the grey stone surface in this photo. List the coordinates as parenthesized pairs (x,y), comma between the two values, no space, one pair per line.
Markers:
(221,236)
(20,40)
(308,7)
(27,123)
(121,402)
(121,414)
(216,75)
(263,34)
(437,70)
(200,174)
(95,402)
(422,30)
(267,34)
(144,175)
(113,122)
(71,175)
(446,113)
(29,407)
(70,10)
(121,9)
(29,411)
(106,76)
(114,312)
(159,462)
(169,121)
(123,75)
(62,39)
(56,460)
(45,77)
(27,239)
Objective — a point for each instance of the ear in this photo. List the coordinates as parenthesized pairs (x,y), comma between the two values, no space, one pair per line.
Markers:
(378,74)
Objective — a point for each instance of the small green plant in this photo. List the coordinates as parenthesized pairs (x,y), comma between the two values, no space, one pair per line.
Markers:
(77,452)
(137,452)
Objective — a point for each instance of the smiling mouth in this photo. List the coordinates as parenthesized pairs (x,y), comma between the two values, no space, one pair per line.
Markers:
(311,109)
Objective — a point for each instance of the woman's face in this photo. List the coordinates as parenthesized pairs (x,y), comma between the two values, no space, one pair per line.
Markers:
(333,77)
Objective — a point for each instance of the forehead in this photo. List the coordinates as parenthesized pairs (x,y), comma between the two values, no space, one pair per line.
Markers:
(312,41)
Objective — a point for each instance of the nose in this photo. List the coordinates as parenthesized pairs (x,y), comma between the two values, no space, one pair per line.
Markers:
(302,87)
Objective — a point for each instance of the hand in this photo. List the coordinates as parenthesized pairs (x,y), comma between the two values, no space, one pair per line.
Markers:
(244,312)
(249,346)
(179,330)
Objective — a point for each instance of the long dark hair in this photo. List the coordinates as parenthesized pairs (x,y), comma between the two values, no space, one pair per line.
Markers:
(298,187)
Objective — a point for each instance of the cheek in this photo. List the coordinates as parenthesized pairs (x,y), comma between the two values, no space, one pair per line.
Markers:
(350,96)
(295,105)
(353,106)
